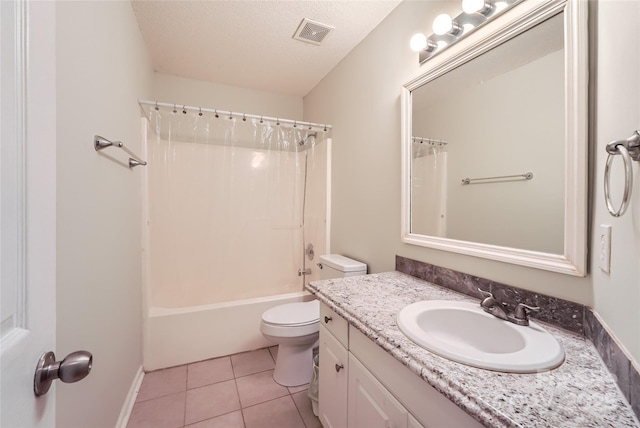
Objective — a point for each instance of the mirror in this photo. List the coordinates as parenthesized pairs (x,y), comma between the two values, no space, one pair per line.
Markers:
(494,142)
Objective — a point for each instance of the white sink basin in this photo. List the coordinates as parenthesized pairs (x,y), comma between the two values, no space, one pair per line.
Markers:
(463,332)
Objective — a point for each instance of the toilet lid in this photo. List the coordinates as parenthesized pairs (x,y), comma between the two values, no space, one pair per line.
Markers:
(300,313)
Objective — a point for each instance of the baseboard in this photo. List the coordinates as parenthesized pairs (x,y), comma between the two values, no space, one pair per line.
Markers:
(127,407)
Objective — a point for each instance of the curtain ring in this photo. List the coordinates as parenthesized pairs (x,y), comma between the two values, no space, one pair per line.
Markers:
(295,125)
(157,108)
(261,119)
(325,128)
(200,112)
(184,110)
(628,181)
(244,117)
(216,113)
(175,110)
(277,121)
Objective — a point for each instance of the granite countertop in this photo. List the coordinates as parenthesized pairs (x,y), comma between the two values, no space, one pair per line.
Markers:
(579,393)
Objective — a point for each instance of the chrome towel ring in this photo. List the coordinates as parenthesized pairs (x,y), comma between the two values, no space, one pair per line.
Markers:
(629,149)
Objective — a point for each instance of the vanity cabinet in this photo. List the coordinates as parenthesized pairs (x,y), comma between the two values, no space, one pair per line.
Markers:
(362,386)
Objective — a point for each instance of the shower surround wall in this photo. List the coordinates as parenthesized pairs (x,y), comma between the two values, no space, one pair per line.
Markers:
(226,230)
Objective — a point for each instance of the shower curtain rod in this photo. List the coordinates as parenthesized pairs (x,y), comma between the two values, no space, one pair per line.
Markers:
(431,141)
(244,116)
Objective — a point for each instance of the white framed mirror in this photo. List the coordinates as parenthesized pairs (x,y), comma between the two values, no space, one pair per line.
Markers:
(494,142)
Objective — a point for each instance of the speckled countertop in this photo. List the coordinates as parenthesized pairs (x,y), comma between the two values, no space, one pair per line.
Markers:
(579,393)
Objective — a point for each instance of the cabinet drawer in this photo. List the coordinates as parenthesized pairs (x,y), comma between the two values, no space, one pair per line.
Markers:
(337,325)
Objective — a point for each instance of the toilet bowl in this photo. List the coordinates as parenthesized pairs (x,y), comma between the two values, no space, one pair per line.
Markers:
(294,327)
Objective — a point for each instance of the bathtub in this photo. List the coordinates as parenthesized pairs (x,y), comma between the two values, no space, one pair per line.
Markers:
(185,335)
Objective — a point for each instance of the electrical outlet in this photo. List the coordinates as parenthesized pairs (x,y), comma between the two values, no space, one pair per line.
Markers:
(604,250)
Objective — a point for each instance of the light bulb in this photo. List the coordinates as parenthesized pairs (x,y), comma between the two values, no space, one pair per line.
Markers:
(472,6)
(501,5)
(443,24)
(418,42)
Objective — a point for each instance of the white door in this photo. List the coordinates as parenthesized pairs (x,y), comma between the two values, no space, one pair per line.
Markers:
(27,208)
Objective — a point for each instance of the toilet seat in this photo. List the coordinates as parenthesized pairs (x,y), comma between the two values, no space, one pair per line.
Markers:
(293,314)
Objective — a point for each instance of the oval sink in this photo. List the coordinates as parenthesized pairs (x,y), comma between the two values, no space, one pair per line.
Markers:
(463,332)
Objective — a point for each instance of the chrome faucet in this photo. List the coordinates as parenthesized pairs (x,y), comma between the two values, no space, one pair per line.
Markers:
(519,316)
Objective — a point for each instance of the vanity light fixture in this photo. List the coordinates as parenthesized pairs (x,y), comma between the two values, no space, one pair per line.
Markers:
(448,30)
(482,7)
(419,42)
(443,24)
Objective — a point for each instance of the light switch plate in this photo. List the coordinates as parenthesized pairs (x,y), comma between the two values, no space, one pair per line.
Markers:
(604,248)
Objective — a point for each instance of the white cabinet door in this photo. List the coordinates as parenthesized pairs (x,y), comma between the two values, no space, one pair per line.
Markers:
(370,404)
(413,422)
(334,369)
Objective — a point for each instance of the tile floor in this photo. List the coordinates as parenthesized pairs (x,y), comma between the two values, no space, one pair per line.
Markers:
(237,391)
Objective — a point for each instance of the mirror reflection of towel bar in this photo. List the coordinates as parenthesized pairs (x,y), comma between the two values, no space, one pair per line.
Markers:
(525,176)
(100,143)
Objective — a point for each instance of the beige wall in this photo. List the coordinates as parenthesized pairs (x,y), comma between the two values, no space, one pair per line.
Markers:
(173,89)
(102,69)
(361,99)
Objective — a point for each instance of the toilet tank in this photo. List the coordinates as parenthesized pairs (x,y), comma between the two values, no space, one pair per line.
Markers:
(337,266)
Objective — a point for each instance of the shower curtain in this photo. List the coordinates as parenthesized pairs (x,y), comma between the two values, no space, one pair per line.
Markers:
(226,205)
(429,189)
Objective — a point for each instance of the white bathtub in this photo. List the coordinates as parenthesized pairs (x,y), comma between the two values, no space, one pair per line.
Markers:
(186,335)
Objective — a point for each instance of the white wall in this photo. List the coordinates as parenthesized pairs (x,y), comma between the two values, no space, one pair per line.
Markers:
(361,99)
(102,69)
(616,116)
(173,89)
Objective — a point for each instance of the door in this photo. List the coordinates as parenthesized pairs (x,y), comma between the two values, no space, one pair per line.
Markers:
(27,208)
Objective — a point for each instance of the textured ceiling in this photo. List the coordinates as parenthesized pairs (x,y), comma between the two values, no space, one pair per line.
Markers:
(249,43)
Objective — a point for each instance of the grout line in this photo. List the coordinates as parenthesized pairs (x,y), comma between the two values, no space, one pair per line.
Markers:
(186,392)
(299,412)
(244,423)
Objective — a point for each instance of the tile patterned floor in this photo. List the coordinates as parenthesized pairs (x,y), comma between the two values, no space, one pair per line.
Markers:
(237,391)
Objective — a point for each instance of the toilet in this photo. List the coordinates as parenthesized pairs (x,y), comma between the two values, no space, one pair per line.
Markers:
(294,326)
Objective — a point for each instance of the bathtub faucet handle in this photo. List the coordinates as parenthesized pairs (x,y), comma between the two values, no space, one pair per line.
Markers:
(306,271)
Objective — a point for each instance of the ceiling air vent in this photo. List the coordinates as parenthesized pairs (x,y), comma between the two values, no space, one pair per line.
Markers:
(312,32)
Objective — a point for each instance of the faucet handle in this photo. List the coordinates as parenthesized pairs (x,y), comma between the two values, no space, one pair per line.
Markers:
(488,300)
(522,311)
(485,293)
